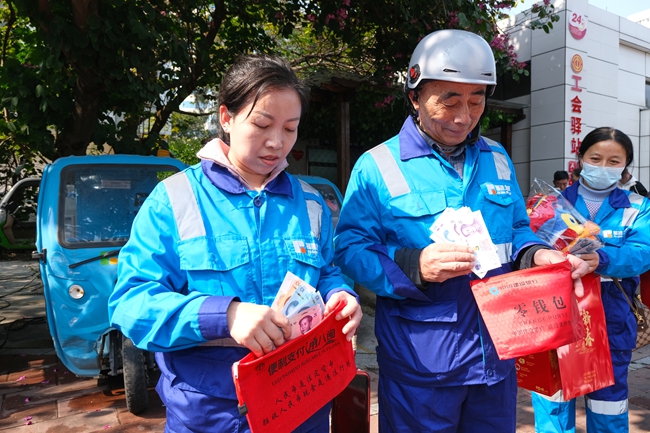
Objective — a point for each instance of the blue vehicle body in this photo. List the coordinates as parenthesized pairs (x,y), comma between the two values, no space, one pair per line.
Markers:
(333,198)
(85,209)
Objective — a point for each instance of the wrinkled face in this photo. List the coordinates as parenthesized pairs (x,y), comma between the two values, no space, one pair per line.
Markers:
(261,140)
(449,111)
(606,153)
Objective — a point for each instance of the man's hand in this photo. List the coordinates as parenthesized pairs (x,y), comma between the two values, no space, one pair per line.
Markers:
(592,259)
(257,327)
(440,262)
(579,268)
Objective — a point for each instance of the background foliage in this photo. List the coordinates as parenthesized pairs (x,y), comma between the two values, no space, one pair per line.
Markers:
(78,72)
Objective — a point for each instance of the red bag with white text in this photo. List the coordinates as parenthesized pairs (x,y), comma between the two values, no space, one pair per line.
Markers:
(282,389)
(531,310)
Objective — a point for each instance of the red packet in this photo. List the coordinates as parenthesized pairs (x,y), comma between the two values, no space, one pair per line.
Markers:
(586,365)
(281,390)
(539,372)
(529,311)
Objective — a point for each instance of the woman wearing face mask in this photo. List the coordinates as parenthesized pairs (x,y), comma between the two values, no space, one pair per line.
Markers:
(625,233)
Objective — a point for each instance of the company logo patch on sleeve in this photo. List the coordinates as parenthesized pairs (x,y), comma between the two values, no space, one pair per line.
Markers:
(607,234)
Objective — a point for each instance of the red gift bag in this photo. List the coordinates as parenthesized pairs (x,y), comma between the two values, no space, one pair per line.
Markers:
(282,389)
(578,368)
(586,365)
(531,310)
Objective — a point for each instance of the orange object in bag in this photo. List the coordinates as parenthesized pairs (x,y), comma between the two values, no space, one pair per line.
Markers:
(282,389)
(531,310)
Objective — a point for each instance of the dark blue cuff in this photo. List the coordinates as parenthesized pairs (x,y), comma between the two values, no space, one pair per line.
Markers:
(341,289)
(213,317)
(603,260)
(402,285)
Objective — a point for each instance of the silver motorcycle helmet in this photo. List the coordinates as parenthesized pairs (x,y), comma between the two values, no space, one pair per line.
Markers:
(451,55)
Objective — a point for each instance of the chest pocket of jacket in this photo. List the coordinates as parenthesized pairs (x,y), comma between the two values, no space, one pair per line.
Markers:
(223,253)
(413,214)
(497,210)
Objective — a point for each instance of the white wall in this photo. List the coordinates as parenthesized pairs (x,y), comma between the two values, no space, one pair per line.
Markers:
(616,57)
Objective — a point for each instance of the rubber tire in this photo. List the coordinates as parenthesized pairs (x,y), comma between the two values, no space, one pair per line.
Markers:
(135,377)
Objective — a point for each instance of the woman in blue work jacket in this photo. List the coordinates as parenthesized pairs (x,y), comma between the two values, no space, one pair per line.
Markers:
(211,245)
(438,367)
(623,217)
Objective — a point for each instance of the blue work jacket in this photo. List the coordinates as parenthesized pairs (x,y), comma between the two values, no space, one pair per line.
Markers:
(396,192)
(200,241)
(624,224)
(175,283)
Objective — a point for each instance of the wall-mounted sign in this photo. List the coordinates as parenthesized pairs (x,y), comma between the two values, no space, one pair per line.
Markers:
(576,63)
(577,24)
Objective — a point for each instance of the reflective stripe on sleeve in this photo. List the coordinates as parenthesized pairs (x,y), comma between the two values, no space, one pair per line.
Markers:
(390,172)
(186,210)
(607,407)
(505,252)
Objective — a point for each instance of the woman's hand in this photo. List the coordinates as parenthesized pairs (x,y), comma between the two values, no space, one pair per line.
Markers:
(257,327)
(440,262)
(351,312)
(579,268)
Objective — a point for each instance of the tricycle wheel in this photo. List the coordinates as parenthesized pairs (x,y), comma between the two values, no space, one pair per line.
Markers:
(135,377)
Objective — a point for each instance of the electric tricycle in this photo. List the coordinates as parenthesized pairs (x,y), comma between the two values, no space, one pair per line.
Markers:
(86,207)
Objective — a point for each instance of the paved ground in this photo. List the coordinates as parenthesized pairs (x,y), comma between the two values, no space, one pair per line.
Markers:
(38,394)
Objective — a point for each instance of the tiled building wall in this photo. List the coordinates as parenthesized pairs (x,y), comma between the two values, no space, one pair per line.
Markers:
(616,57)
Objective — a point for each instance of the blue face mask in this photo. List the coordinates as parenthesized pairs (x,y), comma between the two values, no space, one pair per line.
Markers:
(600,177)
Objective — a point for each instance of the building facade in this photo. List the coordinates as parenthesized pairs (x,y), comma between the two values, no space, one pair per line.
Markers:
(592,69)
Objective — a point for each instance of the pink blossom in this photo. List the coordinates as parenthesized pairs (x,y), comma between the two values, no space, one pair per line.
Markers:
(279,15)
(107,426)
(28,423)
(311,17)
(26,399)
(328,18)
(21,378)
(27,418)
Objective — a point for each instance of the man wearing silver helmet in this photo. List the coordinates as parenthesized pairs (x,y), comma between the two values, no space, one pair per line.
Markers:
(438,368)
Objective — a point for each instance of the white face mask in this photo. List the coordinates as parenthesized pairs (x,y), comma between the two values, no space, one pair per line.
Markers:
(600,177)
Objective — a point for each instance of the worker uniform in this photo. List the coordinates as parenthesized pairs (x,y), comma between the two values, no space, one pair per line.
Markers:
(432,340)
(625,234)
(201,240)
